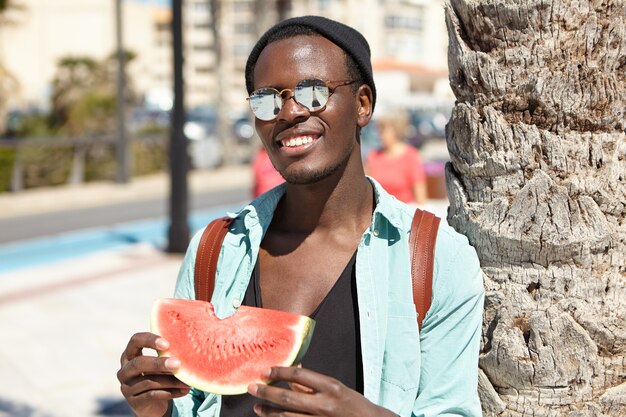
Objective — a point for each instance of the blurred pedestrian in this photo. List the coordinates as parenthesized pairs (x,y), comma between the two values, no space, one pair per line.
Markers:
(265,176)
(396,165)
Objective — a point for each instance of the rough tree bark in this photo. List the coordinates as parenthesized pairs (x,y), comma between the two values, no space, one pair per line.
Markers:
(537,183)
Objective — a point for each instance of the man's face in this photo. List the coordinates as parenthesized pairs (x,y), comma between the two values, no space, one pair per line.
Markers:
(328,137)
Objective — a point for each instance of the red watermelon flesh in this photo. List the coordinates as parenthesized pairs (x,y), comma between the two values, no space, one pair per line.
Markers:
(224,356)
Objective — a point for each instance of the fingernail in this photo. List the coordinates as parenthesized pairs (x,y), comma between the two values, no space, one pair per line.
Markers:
(258,409)
(266,373)
(162,344)
(252,389)
(171,363)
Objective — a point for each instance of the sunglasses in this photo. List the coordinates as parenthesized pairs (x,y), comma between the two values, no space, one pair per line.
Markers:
(312,94)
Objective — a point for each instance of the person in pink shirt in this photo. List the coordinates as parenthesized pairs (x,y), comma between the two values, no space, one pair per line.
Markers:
(396,165)
(265,175)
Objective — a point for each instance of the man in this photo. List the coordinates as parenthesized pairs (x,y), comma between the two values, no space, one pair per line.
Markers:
(332,244)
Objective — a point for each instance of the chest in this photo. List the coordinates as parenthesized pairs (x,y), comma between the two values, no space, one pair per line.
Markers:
(296,275)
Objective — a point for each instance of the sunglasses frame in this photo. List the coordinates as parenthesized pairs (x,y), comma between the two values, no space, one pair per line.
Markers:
(292,94)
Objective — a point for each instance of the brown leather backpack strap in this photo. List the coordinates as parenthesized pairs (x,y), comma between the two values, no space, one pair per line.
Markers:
(207,255)
(422,243)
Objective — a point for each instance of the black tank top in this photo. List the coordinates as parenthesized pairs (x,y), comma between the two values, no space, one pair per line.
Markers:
(335,348)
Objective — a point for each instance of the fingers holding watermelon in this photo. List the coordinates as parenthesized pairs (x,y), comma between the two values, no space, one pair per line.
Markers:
(147,381)
(140,341)
(312,394)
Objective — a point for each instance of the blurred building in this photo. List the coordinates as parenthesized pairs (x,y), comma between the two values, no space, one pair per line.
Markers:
(40,32)
(408,40)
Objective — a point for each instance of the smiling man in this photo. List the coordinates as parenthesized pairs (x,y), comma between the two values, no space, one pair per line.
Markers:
(330,243)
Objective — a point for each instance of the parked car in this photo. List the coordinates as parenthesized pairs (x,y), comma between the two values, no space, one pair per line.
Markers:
(205,146)
(243,129)
(426,125)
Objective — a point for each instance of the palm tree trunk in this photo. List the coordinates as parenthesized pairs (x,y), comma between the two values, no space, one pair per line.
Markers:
(537,183)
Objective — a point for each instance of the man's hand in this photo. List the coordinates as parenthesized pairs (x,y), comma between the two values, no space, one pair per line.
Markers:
(312,394)
(147,382)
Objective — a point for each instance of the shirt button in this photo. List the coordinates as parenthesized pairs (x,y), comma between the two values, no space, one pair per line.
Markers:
(375,232)
(236,303)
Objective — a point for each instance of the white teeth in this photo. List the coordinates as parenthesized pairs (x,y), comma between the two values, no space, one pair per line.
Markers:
(299,141)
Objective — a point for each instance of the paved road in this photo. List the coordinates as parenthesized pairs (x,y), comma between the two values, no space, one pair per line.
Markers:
(51,223)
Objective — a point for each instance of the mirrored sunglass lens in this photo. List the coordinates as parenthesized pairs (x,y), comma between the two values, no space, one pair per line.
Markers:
(312,94)
(265,104)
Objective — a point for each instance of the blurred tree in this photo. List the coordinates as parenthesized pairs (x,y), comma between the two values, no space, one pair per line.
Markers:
(84,93)
(6,6)
(74,78)
(8,83)
(537,184)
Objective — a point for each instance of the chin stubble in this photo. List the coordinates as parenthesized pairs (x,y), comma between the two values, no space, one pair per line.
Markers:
(311,177)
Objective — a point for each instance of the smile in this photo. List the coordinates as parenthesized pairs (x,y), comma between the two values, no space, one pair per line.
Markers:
(294,142)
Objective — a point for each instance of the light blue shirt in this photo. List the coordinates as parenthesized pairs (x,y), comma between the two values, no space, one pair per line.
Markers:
(429,373)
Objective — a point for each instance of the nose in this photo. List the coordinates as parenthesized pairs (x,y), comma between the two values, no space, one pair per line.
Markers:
(291,111)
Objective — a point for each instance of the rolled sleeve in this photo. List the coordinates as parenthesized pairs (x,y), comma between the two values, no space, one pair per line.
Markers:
(185,281)
(188,406)
(450,338)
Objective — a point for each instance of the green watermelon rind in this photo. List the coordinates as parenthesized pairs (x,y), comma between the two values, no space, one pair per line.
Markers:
(304,328)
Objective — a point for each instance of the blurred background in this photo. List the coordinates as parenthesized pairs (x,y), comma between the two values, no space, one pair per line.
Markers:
(102,166)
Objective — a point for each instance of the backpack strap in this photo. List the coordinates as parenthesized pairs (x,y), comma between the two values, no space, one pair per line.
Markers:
(421,242)
(207,255)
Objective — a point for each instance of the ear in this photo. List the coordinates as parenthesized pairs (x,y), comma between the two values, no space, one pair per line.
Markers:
(364,105)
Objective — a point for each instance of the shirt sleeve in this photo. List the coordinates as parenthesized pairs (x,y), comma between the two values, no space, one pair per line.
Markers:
(188,406)
(185,281)
(450,339)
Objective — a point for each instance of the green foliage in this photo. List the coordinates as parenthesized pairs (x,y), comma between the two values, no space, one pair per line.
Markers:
(45,165)
(153,129)
(85,92)
(8,85)
(100,164)
(75,77)
(6,5)
(48,162)
(34,126)
(7,158)
(84,104)
(128,57)
(149,156)
(92,114)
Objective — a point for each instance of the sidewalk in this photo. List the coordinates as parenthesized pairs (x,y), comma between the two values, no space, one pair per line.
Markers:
(64,328)
(58,198)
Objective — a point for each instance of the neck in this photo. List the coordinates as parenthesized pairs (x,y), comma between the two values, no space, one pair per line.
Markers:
(342,200)
(394,149)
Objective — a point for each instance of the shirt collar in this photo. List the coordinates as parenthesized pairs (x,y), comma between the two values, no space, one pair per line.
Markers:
(261,210)
(386,206)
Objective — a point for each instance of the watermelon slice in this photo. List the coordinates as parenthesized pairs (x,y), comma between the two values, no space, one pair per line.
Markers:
(225,356)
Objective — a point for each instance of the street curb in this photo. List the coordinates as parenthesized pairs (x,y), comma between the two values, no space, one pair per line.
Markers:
(66,197)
